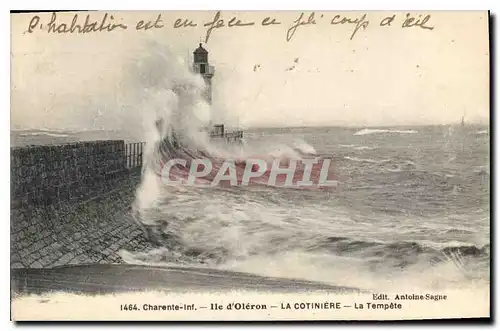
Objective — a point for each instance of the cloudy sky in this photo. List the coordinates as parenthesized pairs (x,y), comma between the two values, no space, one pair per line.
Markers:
(384,75)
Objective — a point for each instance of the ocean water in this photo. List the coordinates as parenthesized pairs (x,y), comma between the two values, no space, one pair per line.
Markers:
(412,210)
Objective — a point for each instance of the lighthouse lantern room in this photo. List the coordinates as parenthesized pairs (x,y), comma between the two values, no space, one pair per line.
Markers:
(202,67)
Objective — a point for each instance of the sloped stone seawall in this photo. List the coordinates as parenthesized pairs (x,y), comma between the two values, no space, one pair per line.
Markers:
(70,204)
(90,231)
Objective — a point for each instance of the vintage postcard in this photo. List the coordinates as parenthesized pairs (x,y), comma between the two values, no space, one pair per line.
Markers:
(250,166)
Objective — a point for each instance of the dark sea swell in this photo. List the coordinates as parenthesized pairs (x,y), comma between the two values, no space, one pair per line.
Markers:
(408,204)
(410,208)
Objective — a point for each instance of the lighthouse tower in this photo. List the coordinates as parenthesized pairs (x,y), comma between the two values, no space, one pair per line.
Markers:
(201,66)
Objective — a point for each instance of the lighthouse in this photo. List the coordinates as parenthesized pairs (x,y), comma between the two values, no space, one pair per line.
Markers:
(201,66)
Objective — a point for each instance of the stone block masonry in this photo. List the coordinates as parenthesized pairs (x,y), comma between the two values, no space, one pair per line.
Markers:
(70,203)
(43,175)
(86,232)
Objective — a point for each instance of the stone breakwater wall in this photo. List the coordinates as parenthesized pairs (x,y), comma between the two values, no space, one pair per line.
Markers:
(70,204)
(44,175)
(91,231)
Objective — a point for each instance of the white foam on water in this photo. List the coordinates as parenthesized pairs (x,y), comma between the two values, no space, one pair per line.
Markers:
(362,148)
(357,159)
(51,134)
(383,131)
(231,229)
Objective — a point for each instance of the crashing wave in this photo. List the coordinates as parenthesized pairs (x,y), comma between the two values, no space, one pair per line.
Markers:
(174,122)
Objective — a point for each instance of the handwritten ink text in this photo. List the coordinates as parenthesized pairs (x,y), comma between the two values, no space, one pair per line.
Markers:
(105,25)
(299,22)
(146,25)
(218,22)
(360,23)
(179,23)
(411,22)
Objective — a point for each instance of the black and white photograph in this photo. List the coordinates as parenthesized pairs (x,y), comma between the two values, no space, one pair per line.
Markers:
(250,165)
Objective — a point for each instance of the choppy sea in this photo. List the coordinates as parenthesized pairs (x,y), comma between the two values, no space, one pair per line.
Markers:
(412,210)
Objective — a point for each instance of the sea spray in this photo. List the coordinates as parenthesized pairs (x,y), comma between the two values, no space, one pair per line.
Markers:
(176,115)
(311,235)
(173,116)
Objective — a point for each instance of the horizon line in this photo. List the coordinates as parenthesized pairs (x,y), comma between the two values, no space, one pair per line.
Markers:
(269,127)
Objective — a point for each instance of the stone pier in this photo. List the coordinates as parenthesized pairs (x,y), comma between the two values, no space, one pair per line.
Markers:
(70,204)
